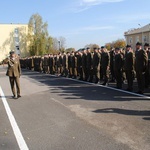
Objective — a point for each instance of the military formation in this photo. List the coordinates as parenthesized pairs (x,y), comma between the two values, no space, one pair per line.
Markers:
(98,65)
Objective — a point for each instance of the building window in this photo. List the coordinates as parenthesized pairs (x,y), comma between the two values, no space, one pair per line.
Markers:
(17,39)
(145,38)
(130,40)
(137,39)
(16,31)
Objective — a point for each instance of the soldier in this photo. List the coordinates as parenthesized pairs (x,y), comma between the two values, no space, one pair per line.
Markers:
(51,64)
(59,63)
(146,46)
(45,64)
(105,62)
(55,64)
(84,68)
(65,65)
(129,67)
(79,65)
(141,61)
(69,66)
(89,58)
(149,62)
(96,66)
(118,64)
(112,54)
(122,50)
(74,65)
(14,72)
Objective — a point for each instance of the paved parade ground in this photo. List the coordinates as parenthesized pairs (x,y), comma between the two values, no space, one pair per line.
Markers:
(56,113)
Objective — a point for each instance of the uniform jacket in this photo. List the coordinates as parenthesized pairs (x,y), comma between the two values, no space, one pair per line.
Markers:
(89,60)
(118,61)
(105,60)
(141,60)
(14,69)
(129,61)
(96,60)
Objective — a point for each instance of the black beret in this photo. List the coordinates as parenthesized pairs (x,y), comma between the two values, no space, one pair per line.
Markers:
(102,46)
(117,48)
(12,52)
(146,44)
(128,46)
(138,43)
(87,48)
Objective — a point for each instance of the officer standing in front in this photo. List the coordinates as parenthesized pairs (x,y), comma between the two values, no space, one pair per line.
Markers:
(14,72)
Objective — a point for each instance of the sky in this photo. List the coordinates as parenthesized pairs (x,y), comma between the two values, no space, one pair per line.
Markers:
(81,22)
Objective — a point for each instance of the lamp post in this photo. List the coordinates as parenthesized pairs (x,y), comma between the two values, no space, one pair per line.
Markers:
(59,45)
(142,33)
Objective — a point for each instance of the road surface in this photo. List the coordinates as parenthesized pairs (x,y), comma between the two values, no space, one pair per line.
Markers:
(57,113)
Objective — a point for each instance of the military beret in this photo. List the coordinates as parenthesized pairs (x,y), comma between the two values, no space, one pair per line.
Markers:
(87,48)
(12,52)
(128,46)
(138,43)
(117,48)
(102,46)
(146,44)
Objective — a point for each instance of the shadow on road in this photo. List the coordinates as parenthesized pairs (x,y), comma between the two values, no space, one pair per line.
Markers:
(125,112)
(72,90)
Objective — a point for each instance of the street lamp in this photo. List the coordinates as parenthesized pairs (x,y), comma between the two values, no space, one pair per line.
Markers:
(142,33)
(59,45)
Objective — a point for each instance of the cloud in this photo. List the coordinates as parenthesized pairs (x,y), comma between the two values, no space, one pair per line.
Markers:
(94,28)
(86,4)
(97,2)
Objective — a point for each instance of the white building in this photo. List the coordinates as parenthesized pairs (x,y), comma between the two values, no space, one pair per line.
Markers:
(138,35)
(13,37)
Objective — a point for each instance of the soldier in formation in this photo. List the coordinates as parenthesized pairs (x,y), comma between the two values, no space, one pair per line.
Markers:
(98,65)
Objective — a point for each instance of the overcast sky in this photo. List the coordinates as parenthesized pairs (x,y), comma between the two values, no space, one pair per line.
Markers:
(81,22)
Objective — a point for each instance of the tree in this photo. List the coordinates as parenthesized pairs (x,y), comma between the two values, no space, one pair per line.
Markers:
(119,43)
(37,35)
(108,46)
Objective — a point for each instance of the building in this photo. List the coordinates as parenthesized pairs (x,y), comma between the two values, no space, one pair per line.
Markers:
(141,34)
(13,37)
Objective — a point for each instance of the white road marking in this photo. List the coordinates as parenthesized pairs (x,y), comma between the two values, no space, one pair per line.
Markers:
(20,140)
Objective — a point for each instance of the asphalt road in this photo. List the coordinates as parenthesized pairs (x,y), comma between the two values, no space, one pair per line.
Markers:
(56,113)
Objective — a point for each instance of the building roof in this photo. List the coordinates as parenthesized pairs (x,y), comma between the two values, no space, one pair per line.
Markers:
(145,28)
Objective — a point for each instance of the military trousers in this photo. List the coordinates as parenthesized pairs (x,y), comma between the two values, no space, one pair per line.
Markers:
(105,74)
(129,77)
(15,81)
(118,76)
(96,74)
(141,80)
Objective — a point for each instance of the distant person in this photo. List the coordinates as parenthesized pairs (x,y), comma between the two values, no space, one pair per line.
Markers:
(14,72)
